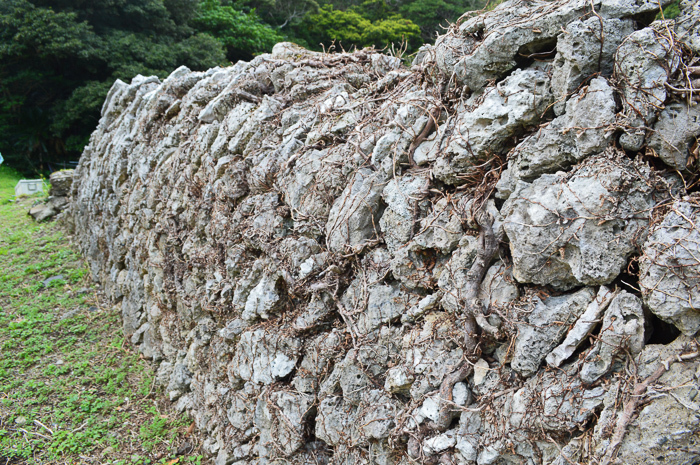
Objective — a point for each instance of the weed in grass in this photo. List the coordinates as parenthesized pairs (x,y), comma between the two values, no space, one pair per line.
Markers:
(70,385)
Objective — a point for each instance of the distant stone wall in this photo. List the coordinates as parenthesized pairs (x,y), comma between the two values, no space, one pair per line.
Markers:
(489,257)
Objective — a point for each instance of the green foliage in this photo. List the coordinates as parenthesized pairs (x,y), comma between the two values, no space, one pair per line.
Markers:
(433,16)
(8,180)
(284,14)
(58,59)
(351,29)
(155,431)
(671,11)
(42,32)
(243,34)
(394,29)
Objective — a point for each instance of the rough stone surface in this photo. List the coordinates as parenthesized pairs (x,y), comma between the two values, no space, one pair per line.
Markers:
(688,26)
(585,129)
(670,270)
(488,121)
(308,294)
(675,133)
(59,196)
(61,183)
(583,49)
(582,329)
(354,217)
(579,228)
(485,47)
(643,63)
(623,330)
(264,358)
(665,419)
(545,328)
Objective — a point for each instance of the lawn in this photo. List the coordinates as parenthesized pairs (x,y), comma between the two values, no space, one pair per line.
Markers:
(72,389)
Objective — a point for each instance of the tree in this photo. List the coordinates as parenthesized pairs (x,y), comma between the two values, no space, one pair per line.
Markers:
(433,16)
(352,29)
(35,43)
(283,14)
(58,59)
(243,34)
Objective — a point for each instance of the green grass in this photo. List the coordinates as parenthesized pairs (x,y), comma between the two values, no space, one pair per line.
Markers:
(70,384)
(8,181)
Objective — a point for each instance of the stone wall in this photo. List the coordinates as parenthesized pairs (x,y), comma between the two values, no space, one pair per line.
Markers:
(490,256)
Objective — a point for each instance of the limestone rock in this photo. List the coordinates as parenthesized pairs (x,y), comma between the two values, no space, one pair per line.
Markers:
(585,129)
(281,421)
(675,132)
(398,380)
(303,287)
(377,415)
(179,381)
(262,299)
(583,327)
(439,443)
(578,228)
(644,62)
(41,212)
(333,421)
(402,197)
(354,217)
(318,356)
(545,328)
(490,118)
(384,305)
(623,329)
(688,24)
(376,305)
(61,183)
(264,358)
(583,50)
(442,228)
(486,46)
(59,196)
(498,287)
(664,419)
(669,269)
(430,354)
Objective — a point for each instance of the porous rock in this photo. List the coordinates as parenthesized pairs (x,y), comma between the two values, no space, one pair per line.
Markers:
(545,328)
(687,24)
(585,129)
(264,358)
(579,228)
(643,63)
(489,119)
(623,330)
(664,420)
(675,133)
(59,196)
(583,327)
(584,49)
(669,268)
(61,183)
(354,217)
(485,47)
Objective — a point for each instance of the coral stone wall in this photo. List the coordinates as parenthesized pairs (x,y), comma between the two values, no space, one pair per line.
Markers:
(490,256)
